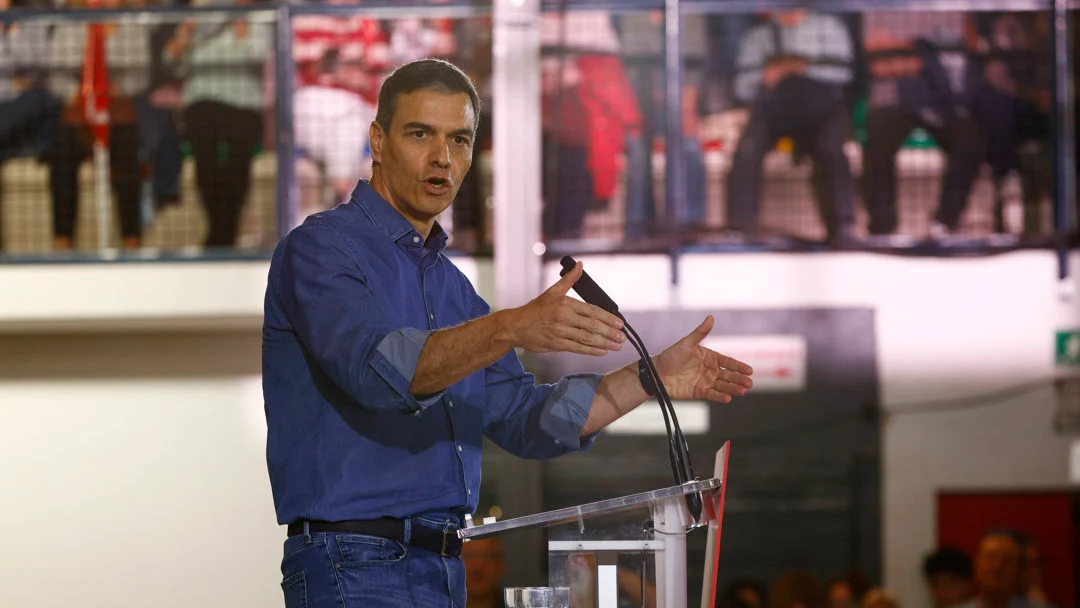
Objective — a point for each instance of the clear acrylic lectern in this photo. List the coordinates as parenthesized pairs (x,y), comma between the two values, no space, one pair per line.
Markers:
(629,550)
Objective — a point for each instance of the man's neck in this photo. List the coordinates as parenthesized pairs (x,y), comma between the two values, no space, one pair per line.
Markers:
(379,185)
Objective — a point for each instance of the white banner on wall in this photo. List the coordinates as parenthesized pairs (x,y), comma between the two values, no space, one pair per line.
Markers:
(779,361)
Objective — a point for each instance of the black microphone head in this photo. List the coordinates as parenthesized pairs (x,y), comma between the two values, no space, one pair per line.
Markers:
(568,263)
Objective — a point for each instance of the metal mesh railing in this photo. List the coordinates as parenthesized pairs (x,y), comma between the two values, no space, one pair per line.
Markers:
(793,126)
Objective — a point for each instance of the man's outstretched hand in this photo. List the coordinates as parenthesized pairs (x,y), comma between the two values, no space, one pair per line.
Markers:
(555,322)
(691,371)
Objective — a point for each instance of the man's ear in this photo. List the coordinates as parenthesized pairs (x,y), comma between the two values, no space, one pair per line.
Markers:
(376,135)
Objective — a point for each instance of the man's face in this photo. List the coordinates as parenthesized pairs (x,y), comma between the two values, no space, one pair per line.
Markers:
(997,565)
(1031,574)
(949,590)
(840,596)
(424,156)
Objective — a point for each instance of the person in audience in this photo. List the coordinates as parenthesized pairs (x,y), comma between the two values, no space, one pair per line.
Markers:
(127,60)
(1031,573)
(27,110)
(223,98)
(414,38)
(1012,107)
(158,115)
(743,593)
(846,591)
(921,75)
(797,589)
(879,598)
(997,572)
(793,71)
(485,566)
(642,39)
(947,572)
(340,60)
(589,109)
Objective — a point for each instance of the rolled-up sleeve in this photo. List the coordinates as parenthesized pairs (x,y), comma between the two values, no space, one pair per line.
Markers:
(533,420)
(331,306)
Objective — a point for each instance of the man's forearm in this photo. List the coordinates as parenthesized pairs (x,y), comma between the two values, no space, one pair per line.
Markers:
(619,392)
(452,354)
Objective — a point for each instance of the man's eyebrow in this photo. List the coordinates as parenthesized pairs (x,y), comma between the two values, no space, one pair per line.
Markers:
(414,126)
(421,126)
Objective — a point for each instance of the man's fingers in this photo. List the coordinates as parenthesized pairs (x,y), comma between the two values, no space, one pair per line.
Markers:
(735,378)
(730,363)
(701,331)
(570,346)
(587,312)
(717,396)
(563,285)
(588,338)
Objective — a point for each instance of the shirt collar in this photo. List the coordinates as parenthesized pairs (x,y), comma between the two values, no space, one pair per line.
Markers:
(392,223)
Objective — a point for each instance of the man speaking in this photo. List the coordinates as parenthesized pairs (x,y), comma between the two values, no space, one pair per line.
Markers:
(383,370)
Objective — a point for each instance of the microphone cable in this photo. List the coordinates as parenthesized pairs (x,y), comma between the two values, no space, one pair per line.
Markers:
(678,451)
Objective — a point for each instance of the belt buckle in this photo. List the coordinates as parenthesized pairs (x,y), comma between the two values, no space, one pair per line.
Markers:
(443,551)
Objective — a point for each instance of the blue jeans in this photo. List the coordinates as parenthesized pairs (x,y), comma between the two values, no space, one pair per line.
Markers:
(160,147)
(342,570)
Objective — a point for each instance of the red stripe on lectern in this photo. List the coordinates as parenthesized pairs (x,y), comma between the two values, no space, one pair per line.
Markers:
(720,521)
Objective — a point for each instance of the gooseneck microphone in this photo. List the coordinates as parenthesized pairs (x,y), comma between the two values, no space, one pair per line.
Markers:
(678,451)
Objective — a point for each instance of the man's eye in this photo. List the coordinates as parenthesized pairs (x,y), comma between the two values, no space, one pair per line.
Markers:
(418,134)
(461,141)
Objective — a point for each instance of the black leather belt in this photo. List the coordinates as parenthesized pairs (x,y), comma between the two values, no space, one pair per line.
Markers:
(446,544)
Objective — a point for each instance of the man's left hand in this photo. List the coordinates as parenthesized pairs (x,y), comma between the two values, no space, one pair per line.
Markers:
(691,371)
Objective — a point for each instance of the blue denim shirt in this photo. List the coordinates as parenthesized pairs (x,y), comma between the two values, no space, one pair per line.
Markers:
(352,296)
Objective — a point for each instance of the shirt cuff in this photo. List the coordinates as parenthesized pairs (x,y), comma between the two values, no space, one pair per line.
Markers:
(566,409)
(399,353)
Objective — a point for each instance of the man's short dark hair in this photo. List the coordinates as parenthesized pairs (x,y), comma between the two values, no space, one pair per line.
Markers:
(947,560)
(427,75)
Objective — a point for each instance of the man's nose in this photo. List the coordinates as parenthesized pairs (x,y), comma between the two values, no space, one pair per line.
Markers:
(440,154)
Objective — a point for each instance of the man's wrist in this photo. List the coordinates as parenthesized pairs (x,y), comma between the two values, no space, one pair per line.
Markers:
(505,335)
(646,379)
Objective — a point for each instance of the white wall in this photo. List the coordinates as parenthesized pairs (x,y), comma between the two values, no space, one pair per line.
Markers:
(131,460)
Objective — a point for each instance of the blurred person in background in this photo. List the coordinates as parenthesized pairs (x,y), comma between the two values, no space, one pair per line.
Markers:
(797,589)
(792,72)
(1012,106)
(642,40)
(485,566)
(948,576)
(879,598)
(27,110)
(846,591)
(743,593)
(921,75)
(340,61)
(589,109)
(1031,573)
(222,64)
(158,115)
(415,38)
(128,61)
(997,572)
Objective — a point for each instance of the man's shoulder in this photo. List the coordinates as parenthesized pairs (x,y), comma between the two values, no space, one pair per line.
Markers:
(345,221)
(337,228)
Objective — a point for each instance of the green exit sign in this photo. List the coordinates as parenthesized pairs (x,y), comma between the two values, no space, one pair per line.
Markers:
(1067,348)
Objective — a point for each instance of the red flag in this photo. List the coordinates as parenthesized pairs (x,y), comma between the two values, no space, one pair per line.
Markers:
(94,91)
